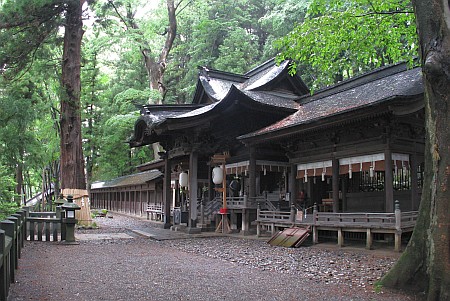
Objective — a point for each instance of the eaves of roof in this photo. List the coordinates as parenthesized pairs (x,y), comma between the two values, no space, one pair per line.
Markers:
(235,96)
(397,86)
(134,179)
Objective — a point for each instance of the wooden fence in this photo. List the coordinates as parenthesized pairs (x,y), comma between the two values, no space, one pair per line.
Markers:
(12,235)
(21,226)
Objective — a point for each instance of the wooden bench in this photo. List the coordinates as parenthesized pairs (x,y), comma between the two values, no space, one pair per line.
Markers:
(154,212)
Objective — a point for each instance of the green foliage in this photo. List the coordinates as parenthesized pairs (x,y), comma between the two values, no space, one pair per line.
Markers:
(236,51)
(340,39)
(7,184)
(116,158)
(32,21)
(129,99)
(7,208)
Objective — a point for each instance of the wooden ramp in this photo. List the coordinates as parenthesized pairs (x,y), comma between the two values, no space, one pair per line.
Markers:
(290,237)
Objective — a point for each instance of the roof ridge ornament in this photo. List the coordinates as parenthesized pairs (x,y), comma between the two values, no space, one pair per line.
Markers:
(204,72)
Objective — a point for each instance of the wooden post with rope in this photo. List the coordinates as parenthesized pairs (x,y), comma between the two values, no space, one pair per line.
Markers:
(224,224)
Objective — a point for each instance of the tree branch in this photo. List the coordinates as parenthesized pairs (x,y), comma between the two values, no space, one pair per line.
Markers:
(124,21)
(384,13)
(376,12)
(180,10)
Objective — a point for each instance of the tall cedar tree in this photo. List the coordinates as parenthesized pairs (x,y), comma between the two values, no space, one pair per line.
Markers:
(33,23)
(72,160)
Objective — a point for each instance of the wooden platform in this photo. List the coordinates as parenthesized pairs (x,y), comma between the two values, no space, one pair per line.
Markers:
(386,223)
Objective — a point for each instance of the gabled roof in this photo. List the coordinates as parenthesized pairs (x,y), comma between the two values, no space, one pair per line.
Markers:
(155,114)
(370,90)
(152,116)
(235,97)
(268,88)
(214,85)
(134,179)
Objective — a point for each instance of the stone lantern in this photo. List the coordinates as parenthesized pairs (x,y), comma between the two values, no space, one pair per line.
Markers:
(69,221)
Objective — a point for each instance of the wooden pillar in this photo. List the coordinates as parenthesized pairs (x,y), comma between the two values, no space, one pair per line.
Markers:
(389,179)
(315,230)
(130,202)
(258,225)
(398,227)
(252,173)
(413,165)
(140,202)
(344,194)
(245,220)
(340,238)
(335,184)
(167,195)
(292,184)
(193,185)
(369,239)
(210,184)
(233,220)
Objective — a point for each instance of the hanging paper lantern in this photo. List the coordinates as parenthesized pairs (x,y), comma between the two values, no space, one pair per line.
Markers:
(217,175)
(183,179)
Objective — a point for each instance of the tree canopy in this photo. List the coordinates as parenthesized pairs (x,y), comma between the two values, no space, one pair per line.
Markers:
(341,39)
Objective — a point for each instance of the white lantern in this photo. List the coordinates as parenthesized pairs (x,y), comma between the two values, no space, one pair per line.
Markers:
(217,175)
(183,179)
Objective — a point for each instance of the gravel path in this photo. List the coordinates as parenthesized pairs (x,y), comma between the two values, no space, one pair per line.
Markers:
(214,268)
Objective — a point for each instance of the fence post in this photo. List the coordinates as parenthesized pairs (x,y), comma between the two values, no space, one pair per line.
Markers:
(15,247)
(63,226)
(8,227)
(23,231)
(25,226)
(58,211)
(293,214)
(258,229)
(202,213)
(19,227)
(315,231)
(3,267)
(398,227)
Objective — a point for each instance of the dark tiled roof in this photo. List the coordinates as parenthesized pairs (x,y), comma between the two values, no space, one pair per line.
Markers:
(135,179)
(272,100)
(158,113)
(268,87)
(399,85)
(216,89)
(263,77)
(261,98)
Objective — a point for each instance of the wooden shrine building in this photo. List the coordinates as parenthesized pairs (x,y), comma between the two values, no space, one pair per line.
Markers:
(357,146)
(353,147)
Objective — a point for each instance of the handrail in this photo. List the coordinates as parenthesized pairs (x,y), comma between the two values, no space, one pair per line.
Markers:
(385,219)
(12,235)
(392,220)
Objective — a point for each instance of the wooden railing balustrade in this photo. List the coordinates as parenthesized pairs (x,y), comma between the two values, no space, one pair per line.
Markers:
(45,226)
(387,223)
(12,235)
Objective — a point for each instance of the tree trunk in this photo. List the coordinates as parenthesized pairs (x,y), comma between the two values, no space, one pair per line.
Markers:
(425,264)
(19,181)
(156,69)
(72,161)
